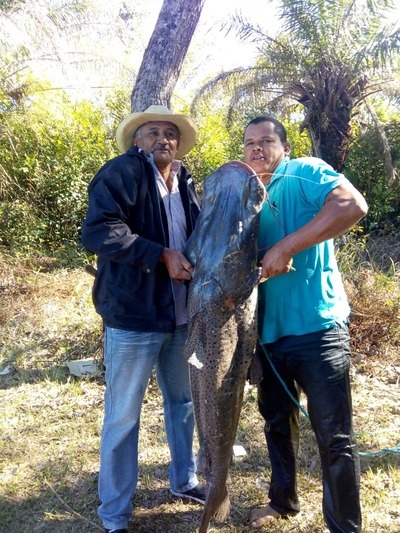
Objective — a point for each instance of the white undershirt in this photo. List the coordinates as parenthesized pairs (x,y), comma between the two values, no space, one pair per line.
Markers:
(177,230)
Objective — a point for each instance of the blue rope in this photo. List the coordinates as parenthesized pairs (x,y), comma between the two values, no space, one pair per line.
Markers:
(283,383)
(384,451)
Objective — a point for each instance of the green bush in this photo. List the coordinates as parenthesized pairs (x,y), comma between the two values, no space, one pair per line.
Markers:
(365,169)
(49,150)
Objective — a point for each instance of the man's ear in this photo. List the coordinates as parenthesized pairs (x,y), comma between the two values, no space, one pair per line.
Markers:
(136,141)
(287,148)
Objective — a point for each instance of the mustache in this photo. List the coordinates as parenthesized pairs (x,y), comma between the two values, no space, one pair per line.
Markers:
(161,147)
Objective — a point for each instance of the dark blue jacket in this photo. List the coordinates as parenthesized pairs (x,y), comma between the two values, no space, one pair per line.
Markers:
(126,226)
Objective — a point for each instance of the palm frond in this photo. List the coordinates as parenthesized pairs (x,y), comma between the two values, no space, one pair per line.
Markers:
(228,80)
(385,46)
(330,57)
(244,29)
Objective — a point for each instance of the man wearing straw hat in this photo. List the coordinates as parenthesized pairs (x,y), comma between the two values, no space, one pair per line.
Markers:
(142,208)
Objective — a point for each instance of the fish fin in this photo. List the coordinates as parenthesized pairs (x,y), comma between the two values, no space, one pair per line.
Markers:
(245,289)
(195,361)
(213,509)
(223,510)
(202,465)
(253,279)
(255,372)
(194,349)
(219,504)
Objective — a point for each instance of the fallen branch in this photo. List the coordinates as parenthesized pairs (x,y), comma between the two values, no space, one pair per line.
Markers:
(70,508)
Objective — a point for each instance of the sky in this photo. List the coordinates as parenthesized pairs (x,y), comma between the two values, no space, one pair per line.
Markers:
(212,49)
(230,51)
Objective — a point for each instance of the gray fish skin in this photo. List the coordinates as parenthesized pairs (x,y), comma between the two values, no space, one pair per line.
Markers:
(222,305)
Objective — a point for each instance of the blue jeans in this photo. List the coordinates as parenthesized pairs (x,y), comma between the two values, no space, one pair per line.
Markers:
(129,358)
(318,363)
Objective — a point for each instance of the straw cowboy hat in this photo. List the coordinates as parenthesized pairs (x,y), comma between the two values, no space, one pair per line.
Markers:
(131,123)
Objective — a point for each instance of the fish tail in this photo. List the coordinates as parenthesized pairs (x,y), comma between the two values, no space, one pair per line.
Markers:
(224,509)
(217,506)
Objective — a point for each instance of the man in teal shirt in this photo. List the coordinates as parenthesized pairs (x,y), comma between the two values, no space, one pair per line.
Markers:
(303,315)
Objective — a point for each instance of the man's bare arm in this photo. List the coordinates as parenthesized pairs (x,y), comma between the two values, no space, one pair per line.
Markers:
(344,206)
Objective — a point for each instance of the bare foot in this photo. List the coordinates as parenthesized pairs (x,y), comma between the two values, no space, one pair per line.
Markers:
(262,516)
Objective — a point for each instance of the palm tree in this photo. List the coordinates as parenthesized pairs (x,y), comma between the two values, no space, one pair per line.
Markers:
(330,57)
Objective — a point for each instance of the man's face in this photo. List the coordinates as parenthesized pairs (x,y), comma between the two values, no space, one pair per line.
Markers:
(160,139)
(263,149)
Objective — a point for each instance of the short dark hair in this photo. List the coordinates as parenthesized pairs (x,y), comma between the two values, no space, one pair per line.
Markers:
(279,128)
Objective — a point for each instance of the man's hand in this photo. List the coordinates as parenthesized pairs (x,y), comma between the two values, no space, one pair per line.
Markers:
(275,262)
(177,264)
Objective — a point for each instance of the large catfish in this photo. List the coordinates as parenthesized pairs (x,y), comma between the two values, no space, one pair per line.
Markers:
(222,304)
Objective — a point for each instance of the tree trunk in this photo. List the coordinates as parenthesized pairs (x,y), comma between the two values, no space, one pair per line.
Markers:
(163,58)
(329,128)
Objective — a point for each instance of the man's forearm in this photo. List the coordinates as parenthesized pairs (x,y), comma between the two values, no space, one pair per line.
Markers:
(341,211)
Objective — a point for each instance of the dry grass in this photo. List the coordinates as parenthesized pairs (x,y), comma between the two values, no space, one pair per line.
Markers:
(375,303)
(50,421)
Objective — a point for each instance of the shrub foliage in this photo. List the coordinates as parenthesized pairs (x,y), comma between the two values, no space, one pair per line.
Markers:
(49,151)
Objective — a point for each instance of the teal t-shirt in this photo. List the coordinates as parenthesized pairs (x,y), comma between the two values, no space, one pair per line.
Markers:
(311,297)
